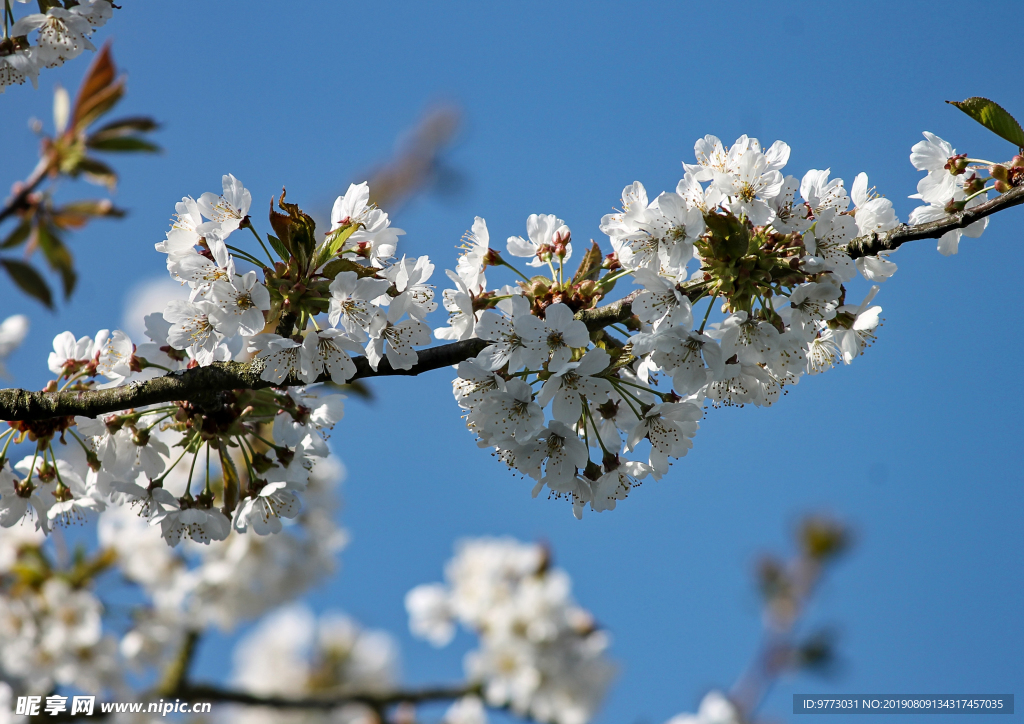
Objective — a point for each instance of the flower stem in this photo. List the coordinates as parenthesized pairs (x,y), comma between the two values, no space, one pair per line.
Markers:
(192,470)
(160,481)
(979,193)
(245,255)
(707,314)
(3,454)
(615,276)
(587,413)
(206,489)
(265,251)
(505,263)
(625,399)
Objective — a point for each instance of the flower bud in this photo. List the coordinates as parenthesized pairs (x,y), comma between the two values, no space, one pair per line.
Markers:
(1002,187)
(999,172)
(956,165)
(562,235)
(492,258)
(611,262)
(953,206)
(973,185)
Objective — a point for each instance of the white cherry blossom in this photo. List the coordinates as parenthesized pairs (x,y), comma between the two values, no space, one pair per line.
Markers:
(230,208)
(239,304)
(542,230)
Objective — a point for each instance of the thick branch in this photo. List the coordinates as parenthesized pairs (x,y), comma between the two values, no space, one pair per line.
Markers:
(176,675)
(612,313)
(200,692)
(200,384)
(874,243)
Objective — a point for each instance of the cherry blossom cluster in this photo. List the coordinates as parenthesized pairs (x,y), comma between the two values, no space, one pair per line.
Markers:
(715,708)
(567,404)
(154,458)
(55,631)
(293,653)
(51,631)
(61,34)
(257,458)
(540,653)
(743,277)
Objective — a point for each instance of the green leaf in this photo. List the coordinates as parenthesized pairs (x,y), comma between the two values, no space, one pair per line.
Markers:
(28,280)
(57,256)
(123,144)
(991,115)
(281,249)
(334,241)
(337,266)
(590,267)
(18,236)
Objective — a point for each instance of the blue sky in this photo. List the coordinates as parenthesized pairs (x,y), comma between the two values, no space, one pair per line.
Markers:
(916,444)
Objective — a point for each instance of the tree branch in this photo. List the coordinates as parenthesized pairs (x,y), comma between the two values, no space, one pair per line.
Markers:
(612,313)
(875,243)
(202,692)
(201,384)
(20,199)
(208,693)
(176,675)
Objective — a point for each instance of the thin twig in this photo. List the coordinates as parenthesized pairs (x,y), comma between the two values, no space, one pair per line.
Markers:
(20,200)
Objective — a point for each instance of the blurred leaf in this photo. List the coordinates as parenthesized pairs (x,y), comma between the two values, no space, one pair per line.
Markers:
(28,280)
(991,115)
(772,579)
(57,256)
(123,144)
(18,236)
(823,538)
(124,126)
(590,266)
(61,109)
(78,213)
(417,165)
(96,172)
(817,653)
(100,104)
(101,74)
(99,92)
(357,388)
